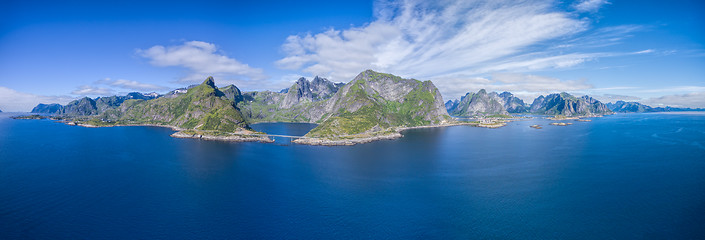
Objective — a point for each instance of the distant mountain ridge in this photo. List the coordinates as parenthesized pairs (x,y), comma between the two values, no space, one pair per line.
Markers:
(483,103)
(635,107)
(87,106)
(566,104)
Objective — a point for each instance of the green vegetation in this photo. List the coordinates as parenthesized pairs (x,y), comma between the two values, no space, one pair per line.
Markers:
(375,114)
(203,107)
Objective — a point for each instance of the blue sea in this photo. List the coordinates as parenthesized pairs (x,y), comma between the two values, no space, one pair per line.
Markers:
(625,176)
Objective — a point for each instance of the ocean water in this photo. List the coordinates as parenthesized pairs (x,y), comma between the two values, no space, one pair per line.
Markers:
(625,176)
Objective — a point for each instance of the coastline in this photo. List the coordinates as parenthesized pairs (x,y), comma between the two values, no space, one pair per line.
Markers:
(249,136)
(228,138)
(353,140)
(346,142)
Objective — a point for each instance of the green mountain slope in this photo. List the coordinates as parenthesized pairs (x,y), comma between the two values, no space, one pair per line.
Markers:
(203,107)
(377,103)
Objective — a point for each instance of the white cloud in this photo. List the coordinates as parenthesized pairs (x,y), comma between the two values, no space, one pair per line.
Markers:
(425,40)
(131,85)
(87,90)
(589,5)
(203,59)
(644,51)
(606,98)
(675,89)
(14,101)
(691,100)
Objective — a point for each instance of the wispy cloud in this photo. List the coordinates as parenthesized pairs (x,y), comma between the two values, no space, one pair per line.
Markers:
(130,85)
(644,51)
(15,101)
(87,90)
(589,5)
(675,89)
(457,42)
(425,40)
(203,59)
(606,98)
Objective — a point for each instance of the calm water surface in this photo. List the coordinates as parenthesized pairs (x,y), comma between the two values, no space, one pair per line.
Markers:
(619,177)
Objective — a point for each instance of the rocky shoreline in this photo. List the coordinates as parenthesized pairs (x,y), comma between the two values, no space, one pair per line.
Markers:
(346,142)
(358,140)
(229,138)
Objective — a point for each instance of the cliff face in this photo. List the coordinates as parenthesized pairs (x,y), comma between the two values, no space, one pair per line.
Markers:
(308,91)
(302,102)
(568,105)
(203,107)
(512,104)
(479,104)
(233,93)
(375,102)
(628,107)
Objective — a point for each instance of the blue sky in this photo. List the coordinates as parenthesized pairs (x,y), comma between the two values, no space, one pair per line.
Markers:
(650,52)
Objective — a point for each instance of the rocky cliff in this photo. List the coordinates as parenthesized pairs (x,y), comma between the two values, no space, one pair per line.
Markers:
(513,104)
(479,104)
(308,91)
(302,102)
(568,105)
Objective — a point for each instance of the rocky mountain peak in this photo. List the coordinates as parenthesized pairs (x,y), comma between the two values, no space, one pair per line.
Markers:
(209,81)
(479,104)
(304,90)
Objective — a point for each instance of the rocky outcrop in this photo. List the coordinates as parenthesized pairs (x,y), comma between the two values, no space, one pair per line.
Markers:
(565,104)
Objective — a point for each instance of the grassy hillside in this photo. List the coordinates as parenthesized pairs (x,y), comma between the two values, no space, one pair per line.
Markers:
(203,107)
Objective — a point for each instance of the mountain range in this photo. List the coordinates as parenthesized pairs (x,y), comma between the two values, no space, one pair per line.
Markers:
(486,104)
(372,105)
